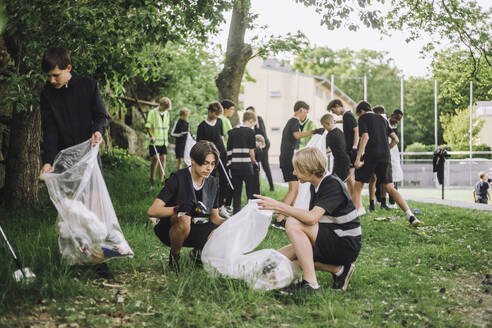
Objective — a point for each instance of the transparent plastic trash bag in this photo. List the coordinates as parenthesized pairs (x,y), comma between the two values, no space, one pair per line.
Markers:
(190,142)
(304,194)
(225,251)
(87,226)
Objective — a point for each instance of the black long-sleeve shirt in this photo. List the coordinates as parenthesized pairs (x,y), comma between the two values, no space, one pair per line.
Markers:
(70,115)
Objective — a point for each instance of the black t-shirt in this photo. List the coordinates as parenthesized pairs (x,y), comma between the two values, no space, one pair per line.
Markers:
(377,148)
(260,129)
(481,189)
(241,140)
(213,134)
(349,123)
(180,126)
(336,141)
(179,190)
(333,197)
(289,143)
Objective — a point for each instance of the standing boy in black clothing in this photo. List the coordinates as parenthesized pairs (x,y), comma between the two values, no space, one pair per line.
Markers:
(328,236)
(481,192)
(374,130)
(375,189)
(335,142)
(261,130)
(72,111)
(187,205)
(290,137)
(180,131)
(260,145)
(211,129)
(241,160)
(351,134)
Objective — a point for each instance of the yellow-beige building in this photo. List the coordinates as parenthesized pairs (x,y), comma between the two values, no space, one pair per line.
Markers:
(484,112)
(275,90)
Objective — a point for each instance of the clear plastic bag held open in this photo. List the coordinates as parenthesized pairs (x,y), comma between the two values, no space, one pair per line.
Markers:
(190,142)
(225,251)
(87,226)
(304,194)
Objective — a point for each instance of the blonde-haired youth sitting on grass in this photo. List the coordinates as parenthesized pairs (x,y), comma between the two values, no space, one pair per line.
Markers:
(326,237)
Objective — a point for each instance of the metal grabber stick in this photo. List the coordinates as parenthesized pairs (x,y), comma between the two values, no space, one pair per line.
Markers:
(159,160)
(226,174)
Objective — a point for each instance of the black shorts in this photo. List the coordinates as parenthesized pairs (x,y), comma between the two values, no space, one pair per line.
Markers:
(329,248)
(198,233)
(382,170)
(162,150)
(288,173)
(179,149)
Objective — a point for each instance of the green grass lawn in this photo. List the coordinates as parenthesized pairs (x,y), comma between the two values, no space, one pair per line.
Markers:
(426,277)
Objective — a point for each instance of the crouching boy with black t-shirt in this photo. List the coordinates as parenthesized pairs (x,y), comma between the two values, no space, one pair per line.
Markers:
(326,237)
(187,205)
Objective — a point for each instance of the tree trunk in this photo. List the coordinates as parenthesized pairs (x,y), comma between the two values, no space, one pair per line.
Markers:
(237,56)
(22,166)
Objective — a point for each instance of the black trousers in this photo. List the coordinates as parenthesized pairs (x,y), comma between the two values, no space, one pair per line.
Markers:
(237,182)
(266,167)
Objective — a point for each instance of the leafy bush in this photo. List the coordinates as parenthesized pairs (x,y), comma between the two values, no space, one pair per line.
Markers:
(419,147)
(116,157)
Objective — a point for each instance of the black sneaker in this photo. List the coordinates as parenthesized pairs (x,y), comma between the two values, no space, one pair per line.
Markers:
(102,271)
(384,206)
(196,255)
(302,287)
(174,262)
(342,281)
(279,225)
(414,221)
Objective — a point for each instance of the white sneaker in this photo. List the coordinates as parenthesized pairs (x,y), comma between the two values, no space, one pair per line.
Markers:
(223,212)
(414,221)
(392,206)
(361,211)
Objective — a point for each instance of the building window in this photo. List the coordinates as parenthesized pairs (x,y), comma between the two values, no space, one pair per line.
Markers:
(275,94)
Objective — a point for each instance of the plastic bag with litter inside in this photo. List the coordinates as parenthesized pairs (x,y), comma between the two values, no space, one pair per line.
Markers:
(87,226)
(225,251)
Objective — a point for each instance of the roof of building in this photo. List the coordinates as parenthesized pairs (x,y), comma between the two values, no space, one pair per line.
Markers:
(275,64)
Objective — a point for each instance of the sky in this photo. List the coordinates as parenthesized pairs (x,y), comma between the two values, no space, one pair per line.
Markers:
(283,16)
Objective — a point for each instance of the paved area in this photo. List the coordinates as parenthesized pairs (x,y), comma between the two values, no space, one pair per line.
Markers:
(278,179)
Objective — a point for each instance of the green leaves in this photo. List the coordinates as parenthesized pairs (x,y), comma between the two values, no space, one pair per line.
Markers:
(105,38)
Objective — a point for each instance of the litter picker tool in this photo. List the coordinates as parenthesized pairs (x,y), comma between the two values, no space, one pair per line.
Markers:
(159,160)
(226,174)
(22,273)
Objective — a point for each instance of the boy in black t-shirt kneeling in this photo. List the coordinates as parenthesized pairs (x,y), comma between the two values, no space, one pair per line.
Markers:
(187,205)
(326,237)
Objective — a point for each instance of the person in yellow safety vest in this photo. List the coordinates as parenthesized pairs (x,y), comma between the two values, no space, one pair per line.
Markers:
(307,125)
(157,136)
